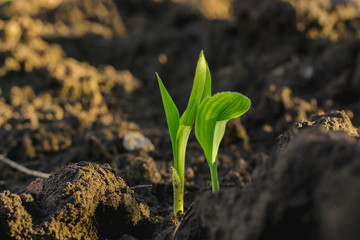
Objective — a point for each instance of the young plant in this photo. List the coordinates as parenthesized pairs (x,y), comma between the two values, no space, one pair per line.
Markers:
(180,128)
(211,118)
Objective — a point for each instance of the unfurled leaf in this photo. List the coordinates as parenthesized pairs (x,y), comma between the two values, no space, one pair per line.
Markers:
(171,112)
(213,114)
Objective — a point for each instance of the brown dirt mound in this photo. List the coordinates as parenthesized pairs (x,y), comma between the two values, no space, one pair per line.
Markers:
(81,201)
(309,194)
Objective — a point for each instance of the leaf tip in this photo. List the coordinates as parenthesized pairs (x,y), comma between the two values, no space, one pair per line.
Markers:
(202,57)
(158,78)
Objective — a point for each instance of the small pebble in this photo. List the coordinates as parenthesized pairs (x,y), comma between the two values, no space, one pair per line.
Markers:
(307,72)
(189,174)
(136,141)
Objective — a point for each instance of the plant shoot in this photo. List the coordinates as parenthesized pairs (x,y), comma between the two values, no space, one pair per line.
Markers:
(210,114)
(180,128)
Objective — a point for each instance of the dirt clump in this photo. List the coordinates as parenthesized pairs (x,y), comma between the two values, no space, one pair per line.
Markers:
(301,195)
(80,201)
(332,121)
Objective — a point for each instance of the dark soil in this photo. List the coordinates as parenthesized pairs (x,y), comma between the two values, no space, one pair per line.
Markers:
(79,100)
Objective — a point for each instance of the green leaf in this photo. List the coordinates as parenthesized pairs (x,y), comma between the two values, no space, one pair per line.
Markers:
(213,114)
(207,87)
(171,112)
(202,79)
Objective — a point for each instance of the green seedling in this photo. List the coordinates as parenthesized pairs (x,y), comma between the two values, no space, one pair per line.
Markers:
(180,128)
(213,114)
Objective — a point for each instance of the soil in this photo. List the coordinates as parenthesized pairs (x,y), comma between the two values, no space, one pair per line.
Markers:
(79,100)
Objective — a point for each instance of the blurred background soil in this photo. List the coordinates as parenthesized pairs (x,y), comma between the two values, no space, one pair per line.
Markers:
(77,83)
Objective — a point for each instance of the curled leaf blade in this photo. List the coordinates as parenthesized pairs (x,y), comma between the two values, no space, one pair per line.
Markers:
(207,87)
(202,79)
(213,114)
